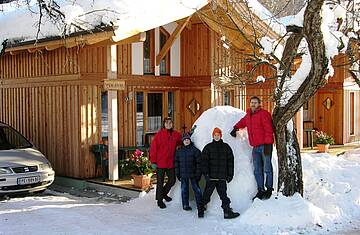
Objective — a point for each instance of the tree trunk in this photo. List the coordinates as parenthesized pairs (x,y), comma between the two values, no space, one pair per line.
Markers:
(290,169)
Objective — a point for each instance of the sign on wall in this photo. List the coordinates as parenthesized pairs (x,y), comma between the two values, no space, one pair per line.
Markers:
(114,84)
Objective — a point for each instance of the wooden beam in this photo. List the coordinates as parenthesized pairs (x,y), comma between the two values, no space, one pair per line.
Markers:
(52,44)
(53,47)
(140,37)
(32,50)
(15,52)
(170,41)
(239,9)
(113,133)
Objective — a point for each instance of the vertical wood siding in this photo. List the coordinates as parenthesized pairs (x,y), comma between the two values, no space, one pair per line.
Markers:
(48,116)
(195,51)
(40,63)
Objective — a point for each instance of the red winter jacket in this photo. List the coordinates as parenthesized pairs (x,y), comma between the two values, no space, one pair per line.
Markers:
(163,146)
(259,127)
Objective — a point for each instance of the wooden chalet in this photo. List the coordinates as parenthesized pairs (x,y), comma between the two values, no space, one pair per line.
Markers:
(66,95)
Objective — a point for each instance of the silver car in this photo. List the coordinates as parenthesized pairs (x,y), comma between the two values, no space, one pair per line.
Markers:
(23,168)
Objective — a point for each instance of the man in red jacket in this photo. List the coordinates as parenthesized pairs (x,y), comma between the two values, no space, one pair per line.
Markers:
(260,130)
(162,154)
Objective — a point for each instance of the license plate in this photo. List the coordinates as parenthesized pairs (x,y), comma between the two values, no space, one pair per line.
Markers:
(28,180)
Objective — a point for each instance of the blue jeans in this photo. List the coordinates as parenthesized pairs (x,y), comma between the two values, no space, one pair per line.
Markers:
(262,164)
(185,191)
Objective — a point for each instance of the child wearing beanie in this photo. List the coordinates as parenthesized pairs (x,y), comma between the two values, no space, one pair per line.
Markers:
(187,168)
(217,161)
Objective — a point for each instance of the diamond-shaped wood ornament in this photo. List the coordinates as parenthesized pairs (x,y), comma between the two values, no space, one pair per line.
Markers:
(328,103)
(193,107)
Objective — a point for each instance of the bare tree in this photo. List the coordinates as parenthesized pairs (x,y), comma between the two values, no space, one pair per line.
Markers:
(307,41)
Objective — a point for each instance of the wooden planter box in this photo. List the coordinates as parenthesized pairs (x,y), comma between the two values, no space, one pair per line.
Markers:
(141,181)
(323,148)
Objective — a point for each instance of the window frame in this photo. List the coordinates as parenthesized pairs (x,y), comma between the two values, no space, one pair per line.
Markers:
(151,36)
(162,30)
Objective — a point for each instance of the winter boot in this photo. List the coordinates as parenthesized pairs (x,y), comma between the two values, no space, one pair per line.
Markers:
(161,204)
(167,198)
(268,193)
(229,214)
(200,214)
(201,211)
(187,208)
(260,194)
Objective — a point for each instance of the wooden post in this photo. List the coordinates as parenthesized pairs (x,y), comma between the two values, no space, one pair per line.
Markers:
(112,115)
(300,127)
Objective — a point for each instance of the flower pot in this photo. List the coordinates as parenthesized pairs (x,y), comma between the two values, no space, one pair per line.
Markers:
(323,148)
(141,181)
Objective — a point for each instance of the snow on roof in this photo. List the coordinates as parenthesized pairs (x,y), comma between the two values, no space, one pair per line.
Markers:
(266,16)
(129,17)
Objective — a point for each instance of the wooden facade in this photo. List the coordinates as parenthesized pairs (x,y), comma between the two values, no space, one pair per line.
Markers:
(334,109)
(53,95)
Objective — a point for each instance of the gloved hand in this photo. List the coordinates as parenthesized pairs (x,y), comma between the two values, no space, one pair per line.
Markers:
(179,179)
(192,130)
(229,179)
(154,166)
(233,133)
(207,177)
(267,149)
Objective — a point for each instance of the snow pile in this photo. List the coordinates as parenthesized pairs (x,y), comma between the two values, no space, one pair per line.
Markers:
(243,187)
(283,212)
(332,183)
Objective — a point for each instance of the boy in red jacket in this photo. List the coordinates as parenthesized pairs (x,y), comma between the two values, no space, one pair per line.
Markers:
(260,130)
(162,154)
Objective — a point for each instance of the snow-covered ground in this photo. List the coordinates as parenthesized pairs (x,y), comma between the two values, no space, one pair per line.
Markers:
(331,203)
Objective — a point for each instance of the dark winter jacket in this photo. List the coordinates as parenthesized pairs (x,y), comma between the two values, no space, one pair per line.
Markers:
(259,127)
(163,146)
(188,162)
(217,160)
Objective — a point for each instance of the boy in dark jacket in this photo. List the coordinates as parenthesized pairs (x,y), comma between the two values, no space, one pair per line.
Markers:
(218,167)
(187,168)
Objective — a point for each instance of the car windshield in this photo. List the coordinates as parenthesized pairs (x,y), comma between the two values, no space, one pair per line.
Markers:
(11,139)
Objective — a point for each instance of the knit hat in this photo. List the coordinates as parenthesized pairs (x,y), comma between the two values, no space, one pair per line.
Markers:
(186,136)
(216,130)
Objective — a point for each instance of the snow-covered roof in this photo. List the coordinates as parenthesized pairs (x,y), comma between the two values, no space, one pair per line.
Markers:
(129,17)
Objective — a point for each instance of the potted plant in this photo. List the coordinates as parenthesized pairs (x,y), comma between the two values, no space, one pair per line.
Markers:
(323,141)
(139,167)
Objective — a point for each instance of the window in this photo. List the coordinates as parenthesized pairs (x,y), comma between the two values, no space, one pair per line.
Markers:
(104,114)
(11,139)
(165,62)
(155,106)
(352,113)
(171,105)
(227,98)
(139,118)
(149,52)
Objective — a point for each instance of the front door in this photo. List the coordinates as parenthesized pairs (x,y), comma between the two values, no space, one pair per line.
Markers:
(325,116)
(192,106)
